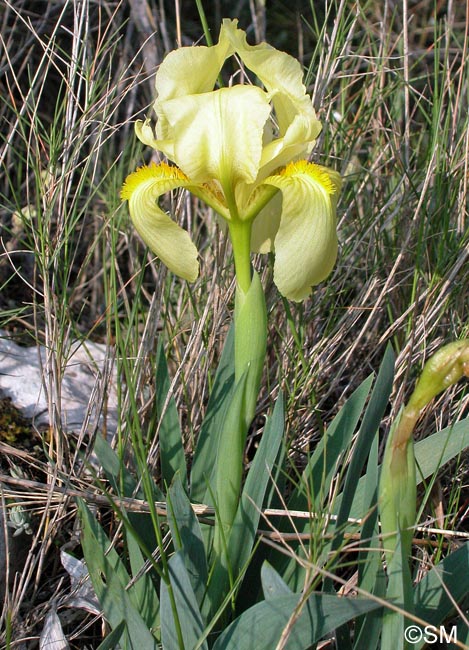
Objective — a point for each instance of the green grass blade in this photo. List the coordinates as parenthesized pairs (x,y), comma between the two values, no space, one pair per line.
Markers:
(124,484)
(321,468)
(190,619)
(366,435)
(371,576)
(97,546)
(121,480)
(370,526)
(319,473)
(143,591)
(365,438)
(436,450)
(172,455)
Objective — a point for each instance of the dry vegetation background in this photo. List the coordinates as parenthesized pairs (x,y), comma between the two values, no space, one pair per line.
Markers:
(389,81)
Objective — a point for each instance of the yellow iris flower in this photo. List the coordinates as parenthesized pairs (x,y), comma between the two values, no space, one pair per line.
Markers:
(242,150)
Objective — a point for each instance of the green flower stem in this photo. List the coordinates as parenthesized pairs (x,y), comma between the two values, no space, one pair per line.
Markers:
(250,320)
(250,315)
(240,233)
(397,489)
(250,342)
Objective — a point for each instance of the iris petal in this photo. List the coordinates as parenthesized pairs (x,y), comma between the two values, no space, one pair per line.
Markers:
(187,71)
(265,226)
(306,241)
(160,233)
(218,135)
(191,70)
(282,76)
(280,73)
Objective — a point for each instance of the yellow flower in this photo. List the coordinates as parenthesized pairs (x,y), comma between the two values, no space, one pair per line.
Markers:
(240,149)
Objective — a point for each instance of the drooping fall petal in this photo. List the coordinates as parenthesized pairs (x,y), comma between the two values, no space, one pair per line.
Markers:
(266,225)
(306,241)
(160,233)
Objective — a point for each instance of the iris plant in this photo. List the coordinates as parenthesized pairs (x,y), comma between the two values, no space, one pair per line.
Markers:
(243,150)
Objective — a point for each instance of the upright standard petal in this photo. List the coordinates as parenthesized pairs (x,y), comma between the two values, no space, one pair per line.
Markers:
(282,76)
(218,135)
(187,71)
(280,73)
(160,233)
(306,241)
(191,70)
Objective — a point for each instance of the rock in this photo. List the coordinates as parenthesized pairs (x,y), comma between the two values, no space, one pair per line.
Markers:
(89,372)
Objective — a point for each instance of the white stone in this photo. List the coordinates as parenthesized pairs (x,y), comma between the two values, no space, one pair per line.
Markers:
(88,374)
